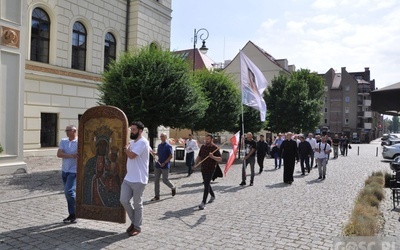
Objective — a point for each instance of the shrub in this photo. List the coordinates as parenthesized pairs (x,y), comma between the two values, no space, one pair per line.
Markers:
(364,219)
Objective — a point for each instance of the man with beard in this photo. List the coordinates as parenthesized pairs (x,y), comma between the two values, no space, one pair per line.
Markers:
(136,178)
(289,153)
(209,156)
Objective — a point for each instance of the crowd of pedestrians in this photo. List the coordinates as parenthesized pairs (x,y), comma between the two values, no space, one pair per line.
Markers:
(285,148)
(288,148)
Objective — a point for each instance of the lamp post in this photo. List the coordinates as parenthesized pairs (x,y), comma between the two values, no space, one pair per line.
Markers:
(203,35)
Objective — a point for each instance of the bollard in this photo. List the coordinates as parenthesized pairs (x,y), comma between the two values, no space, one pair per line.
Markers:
(358,150)
(376,151)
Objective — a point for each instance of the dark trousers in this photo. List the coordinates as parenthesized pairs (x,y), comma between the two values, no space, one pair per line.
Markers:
(260,161)
(207,187)
(190,162)
(277,159)
(288,169)
(304,160)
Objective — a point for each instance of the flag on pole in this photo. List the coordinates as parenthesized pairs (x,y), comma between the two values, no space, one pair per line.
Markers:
(232,154)
(253,85)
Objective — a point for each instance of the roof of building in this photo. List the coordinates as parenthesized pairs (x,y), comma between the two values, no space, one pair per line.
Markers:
(202,60)
(266,54)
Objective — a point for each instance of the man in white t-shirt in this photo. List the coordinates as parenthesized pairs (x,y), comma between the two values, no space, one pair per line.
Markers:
(136,178)
(322,151)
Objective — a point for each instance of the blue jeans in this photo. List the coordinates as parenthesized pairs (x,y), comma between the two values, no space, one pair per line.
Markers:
(69,181)
(277,158)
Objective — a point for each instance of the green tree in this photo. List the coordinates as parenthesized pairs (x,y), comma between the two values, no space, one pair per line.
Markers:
(153,86)
(295,103)
(223,97)
(252,121)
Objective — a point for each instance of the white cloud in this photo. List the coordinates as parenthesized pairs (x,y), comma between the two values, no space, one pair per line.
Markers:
(268,24)
(323,4)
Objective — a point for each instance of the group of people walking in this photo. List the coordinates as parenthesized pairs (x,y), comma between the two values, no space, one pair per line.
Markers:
(287,147)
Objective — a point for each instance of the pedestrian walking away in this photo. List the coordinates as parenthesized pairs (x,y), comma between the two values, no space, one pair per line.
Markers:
(345,145)
(164,153)
(250,158)
(262,148)
(136,178)
(190,147)
(290,154)
(209,156)
(68,151)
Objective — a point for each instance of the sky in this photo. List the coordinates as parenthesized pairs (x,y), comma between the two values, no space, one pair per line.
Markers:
(311,34)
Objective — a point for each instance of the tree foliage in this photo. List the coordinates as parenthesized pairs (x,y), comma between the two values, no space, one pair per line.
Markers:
(155,87)
(224,102)
(295,103)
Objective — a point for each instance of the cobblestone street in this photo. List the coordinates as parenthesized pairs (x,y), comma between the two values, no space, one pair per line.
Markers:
(308,214)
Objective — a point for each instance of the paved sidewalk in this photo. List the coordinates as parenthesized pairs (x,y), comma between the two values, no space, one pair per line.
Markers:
(308,214)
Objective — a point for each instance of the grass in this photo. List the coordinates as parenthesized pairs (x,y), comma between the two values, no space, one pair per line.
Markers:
(364,219)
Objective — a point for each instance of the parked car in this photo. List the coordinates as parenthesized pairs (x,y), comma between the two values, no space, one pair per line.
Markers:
(391,139)
(385,137)
(391,152)
(355,140)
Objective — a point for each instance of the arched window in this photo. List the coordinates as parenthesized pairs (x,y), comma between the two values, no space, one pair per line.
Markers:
(40,36)
(79,46)
(110,50)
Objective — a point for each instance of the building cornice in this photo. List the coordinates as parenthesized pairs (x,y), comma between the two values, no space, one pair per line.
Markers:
(47,72)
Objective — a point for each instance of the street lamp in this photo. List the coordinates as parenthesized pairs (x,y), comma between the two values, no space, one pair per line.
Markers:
(203,35)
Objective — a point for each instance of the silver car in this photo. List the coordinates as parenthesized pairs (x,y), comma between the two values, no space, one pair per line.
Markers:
(391,152)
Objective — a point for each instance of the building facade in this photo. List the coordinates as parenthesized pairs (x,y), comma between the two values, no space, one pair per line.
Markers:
(347,108)
(69,44)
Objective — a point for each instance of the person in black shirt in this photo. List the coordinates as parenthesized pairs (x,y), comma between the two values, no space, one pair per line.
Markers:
(250,158)
(335,144)
(289,153)
(262,148)
(305,152)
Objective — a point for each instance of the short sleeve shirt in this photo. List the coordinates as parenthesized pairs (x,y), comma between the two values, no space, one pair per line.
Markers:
(138,168)
(249,145)
(164,150)
(69,147)
(209,164)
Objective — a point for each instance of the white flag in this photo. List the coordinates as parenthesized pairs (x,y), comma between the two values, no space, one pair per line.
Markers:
(253,85)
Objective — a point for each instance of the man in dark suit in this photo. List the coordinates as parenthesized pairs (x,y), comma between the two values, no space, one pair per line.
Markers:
(289,154)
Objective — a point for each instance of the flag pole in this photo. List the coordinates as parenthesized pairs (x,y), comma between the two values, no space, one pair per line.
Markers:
(209,155)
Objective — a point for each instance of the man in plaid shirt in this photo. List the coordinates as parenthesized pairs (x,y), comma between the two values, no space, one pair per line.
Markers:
(209,155)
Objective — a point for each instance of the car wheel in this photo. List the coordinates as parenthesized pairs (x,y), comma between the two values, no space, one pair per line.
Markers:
(394,156)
